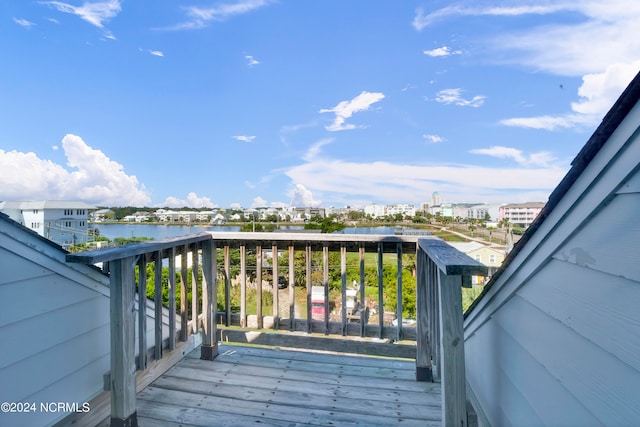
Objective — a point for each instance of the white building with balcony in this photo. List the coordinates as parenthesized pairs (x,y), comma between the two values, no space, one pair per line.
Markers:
(61,221)
(521,214)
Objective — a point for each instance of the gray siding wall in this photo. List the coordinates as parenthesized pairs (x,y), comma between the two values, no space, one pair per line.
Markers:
(54,327)
(557,340)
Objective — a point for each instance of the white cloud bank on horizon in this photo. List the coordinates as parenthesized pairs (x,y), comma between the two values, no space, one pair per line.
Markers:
(91,176)
(559,48)
(192,201)
(530,178)
(345,109)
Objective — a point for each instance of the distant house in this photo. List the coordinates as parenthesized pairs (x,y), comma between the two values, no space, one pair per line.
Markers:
(102,215)
(491,257)
(63,222)
(554,340)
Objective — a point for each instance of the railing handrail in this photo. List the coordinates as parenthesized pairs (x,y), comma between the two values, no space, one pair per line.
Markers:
(136,249)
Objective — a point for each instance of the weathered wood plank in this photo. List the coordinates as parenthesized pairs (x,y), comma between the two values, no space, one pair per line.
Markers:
(123,364)
(450,260)
(454,397)
(251,385)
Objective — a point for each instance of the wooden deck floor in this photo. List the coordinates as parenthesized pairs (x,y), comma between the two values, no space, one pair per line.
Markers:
(273,387)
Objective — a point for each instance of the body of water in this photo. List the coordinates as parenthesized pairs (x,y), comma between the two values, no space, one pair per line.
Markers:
(157,231)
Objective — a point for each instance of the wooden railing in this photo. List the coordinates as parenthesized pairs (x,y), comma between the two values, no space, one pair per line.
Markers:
(202,265)
(442,271)
(194,324)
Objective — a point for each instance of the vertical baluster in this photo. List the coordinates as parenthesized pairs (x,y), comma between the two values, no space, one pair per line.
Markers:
(195,267)
(142,313)
(325,283)
(364,311)
(308,280)
(274,287)
(184,314)
(172,298)
(292,295)
(380,290)
(259,286)
(243,286)
(157,300)
(435,328)
(209,347)
(227,285)
(343,281)
(399,292)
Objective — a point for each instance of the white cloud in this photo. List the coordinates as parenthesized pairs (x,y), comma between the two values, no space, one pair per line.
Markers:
(244,138)
(442,51)
(192,201)
(259,202)
(301,197)
(156,53)
(235,206)
(433,139)
(95,13)
(453,96)
(422,20)
(540,159)
(558,47)
(92,177)
(23,22)
(200,17)
(597,93)
(345,109)
(386,182)
(251,61)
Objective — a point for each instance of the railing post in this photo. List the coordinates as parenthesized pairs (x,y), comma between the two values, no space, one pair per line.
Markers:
(209,347)
(453,383)
(123,363)
(423,344)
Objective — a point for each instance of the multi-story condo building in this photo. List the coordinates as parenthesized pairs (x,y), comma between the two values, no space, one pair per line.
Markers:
(375,210)
(403,209)
(521,214)
(63,222)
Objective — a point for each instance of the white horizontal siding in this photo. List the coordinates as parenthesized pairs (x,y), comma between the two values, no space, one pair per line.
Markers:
(600,307)
(610,241)
(516,387)
(602,384)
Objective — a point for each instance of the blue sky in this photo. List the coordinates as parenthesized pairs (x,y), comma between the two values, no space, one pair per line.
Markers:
(269,103)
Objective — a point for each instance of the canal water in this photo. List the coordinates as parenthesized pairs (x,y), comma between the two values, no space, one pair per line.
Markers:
(157,231)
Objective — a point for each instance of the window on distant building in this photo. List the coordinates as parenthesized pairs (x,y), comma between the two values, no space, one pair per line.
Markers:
(67,224)
(492,258)
(35,211)
(478,257)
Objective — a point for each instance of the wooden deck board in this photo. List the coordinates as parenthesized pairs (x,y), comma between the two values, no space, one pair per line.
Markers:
(248,385)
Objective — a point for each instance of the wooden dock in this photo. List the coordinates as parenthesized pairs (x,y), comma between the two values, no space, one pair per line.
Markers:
(276,387)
